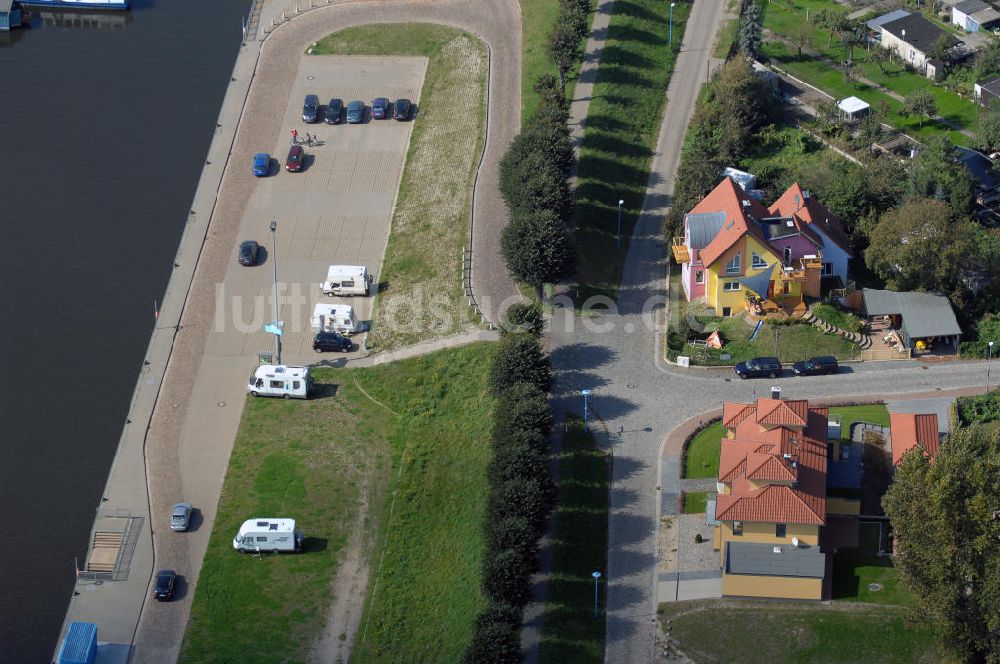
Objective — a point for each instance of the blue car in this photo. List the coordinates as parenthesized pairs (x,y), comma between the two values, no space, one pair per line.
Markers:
(261,164)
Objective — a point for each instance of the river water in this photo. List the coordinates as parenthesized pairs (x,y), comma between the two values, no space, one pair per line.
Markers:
(105,121)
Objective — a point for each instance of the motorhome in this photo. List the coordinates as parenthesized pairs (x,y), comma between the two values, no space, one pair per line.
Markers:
(334,318)
(265,534)
(270,380)
(343,280)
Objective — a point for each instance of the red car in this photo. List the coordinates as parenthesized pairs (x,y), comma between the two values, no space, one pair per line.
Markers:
(295,156)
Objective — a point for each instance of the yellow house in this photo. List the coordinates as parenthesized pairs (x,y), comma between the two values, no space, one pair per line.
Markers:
(772,502)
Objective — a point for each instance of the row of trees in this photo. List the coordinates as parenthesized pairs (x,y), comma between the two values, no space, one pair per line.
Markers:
(521,489)
(534,184)
(570,29)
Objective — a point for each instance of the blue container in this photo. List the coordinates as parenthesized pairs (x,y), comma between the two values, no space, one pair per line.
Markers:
(80,644)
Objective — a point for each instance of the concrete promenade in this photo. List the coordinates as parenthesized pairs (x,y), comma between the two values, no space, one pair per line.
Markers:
(188,400)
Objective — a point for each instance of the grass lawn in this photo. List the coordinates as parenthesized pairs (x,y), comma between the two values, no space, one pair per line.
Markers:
(783,154)
(420,292)
(622,128)
(320,460)
(873,413)
(537,19)
(790,343)
(724,39)
(854,569)
(570,633)
(796,632)
(701,459)
(694,503)
(836,316)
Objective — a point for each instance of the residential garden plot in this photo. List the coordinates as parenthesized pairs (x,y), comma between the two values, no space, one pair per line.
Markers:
(701,458)
(400,441)
(795,632)
(421,273)
(862,575)
(694,502)
(570,631)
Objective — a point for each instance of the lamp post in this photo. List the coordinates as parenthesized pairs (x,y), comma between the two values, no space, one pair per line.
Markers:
(274,266)
(597,576)
(618,237)
(585,393)
(989,357)
(670,39)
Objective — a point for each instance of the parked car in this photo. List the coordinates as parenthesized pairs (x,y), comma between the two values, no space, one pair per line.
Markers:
(759,367)
(817,366)
(402,109)
(380,108)
(180,518)
(334,110)
(248,253)
(355,112)
(166,580)
(261,164)
(295,156)
(331,341)
(310,109)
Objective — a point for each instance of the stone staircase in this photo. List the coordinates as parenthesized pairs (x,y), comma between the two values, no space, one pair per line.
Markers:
(863,341)
(104,552)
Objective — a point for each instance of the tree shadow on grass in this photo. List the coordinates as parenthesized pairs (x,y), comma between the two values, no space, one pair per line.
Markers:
(628,8)
(623,57)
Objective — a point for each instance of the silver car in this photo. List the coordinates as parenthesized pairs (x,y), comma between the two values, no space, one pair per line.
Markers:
(181,517)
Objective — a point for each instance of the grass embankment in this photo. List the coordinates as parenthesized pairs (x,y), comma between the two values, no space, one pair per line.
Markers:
(623,124)
(816,66)
(849,415)
(762,633)
(855,569)
(537,19)
(319,461)
(701,458)
(570,632)
(420,283)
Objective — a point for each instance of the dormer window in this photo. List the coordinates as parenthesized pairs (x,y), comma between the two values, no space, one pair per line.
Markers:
(757,261)
(733,266)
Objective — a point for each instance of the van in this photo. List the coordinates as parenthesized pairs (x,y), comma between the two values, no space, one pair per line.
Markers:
(346,280)
(759,367)
(268,534)
(334,318)
(270,380)
(817,366)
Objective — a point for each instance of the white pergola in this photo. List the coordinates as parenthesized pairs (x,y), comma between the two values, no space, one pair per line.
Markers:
(852,108)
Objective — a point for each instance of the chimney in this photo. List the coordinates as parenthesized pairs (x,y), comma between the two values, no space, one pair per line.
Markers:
(746,203)
(775,392)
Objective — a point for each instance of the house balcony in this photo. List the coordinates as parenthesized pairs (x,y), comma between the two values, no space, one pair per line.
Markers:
(681,253)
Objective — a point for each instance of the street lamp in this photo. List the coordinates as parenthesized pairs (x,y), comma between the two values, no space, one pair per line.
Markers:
(274,266)
(585,393)
(597,576)
(989,356)
(618,237)
(671,32)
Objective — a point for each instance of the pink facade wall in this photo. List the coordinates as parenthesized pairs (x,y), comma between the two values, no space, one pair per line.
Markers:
(692,289)
(800,247)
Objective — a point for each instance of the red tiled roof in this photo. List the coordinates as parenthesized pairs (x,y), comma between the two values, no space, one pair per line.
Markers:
(757,455)
(813,213)
(778,412)
(730,199)
(907,429)
(734,413)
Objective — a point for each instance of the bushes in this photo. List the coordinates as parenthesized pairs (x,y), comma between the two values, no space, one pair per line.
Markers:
(521,489)
(525,317)
(979,409)
(987,330)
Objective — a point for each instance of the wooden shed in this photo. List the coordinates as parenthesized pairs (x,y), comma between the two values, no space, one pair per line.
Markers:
(11,14)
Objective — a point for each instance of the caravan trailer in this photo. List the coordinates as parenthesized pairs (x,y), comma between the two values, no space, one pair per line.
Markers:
(334,318)
(268,534)
(345,280)
(280,381)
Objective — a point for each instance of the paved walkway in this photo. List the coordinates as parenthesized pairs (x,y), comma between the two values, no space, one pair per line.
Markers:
(194,390)
(583,90)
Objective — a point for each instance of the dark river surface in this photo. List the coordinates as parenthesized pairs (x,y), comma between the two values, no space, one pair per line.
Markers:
(104,127)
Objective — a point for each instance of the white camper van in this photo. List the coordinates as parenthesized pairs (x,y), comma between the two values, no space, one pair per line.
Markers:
(280,381)
(346,280)
(268,535)
(334,318)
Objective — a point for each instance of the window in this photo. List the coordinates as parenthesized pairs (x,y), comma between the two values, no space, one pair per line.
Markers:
(261,538)
(295,384)
(727,312)
(278,384)
(779,530)
(913,54)
(758,262)
(788,255)
(738,528)
(784,287)
(730,286)
(733,266)
(827,269)
(699,277)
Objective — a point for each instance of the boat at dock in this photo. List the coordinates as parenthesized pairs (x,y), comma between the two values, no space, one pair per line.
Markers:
(117,5)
